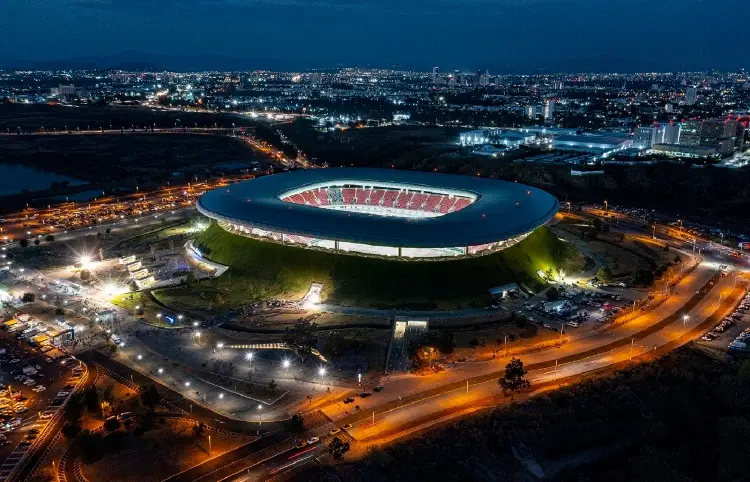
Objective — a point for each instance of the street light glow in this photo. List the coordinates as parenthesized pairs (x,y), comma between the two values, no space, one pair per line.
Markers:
(322,371)
(249,355)
(286,363)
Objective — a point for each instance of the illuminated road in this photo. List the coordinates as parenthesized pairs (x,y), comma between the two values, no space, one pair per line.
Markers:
(427,410)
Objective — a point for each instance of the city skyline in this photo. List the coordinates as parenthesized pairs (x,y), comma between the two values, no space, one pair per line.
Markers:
(509,36)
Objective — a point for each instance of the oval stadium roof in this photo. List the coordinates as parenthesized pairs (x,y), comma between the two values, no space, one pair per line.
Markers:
(501,211)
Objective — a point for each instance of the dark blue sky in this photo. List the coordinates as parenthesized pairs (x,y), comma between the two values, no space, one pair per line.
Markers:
(502,35)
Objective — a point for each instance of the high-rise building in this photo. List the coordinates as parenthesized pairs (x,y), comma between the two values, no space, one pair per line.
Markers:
(690,132)
(532,111)
(691,95)
(670,134)
(434,75)
(714,130)
(721,133)
(648,137)
(549,109)
(741,133)
(644,137)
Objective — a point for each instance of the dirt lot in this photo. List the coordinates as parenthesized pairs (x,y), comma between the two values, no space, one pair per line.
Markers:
(483,343)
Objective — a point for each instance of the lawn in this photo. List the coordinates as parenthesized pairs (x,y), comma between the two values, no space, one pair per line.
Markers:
(263,269)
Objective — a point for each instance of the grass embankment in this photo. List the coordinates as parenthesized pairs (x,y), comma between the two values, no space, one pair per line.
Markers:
(263,269)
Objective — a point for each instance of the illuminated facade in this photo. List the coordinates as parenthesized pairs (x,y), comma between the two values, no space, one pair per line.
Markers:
(384,213)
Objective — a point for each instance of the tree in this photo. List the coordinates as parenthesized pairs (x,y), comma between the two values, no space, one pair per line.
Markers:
(604,274)
(272,385)
(91,399)
(513,379)
(23,243)
(111,424)
(71,429)
(301,337)
(36,242)
(597,224)
(552,294)
(28,297)
(190,279)
(296,424)
(150,396)
(49,238)
(445,342)
(337,448)
(85,275)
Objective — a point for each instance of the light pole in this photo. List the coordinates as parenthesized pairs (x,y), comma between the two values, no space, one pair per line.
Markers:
(684,320)
(260,416)
(606,206)
(249,357)
(209,445)
(221,397)
(322,373)
(285,364)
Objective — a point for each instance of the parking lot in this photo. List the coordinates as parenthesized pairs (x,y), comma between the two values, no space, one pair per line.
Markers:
(733,332)
(578,307)
(32,388)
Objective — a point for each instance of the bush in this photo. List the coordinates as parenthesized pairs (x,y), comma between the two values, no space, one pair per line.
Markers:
(49,238)
(28,297)
(23,243)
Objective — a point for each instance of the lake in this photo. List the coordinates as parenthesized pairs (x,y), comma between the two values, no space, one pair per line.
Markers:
(14,178)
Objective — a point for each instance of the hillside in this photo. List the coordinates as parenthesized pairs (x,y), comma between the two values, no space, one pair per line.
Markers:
(273,270)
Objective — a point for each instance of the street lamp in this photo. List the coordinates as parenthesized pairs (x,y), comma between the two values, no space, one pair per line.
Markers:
(187,384)
(249,357)
(606,206)
(684,320)
(286,363)
(160,370)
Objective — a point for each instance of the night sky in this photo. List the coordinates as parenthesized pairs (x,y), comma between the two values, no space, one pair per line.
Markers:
(500,35)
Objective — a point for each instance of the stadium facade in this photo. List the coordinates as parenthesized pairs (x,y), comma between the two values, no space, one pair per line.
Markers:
(381,212)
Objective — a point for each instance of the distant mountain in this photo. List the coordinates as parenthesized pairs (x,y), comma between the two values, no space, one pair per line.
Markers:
(143,61)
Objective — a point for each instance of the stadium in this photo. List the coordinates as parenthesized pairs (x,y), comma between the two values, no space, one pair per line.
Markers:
(384,213)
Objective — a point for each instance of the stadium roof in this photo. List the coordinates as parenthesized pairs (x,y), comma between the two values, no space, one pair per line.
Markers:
(501,211)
